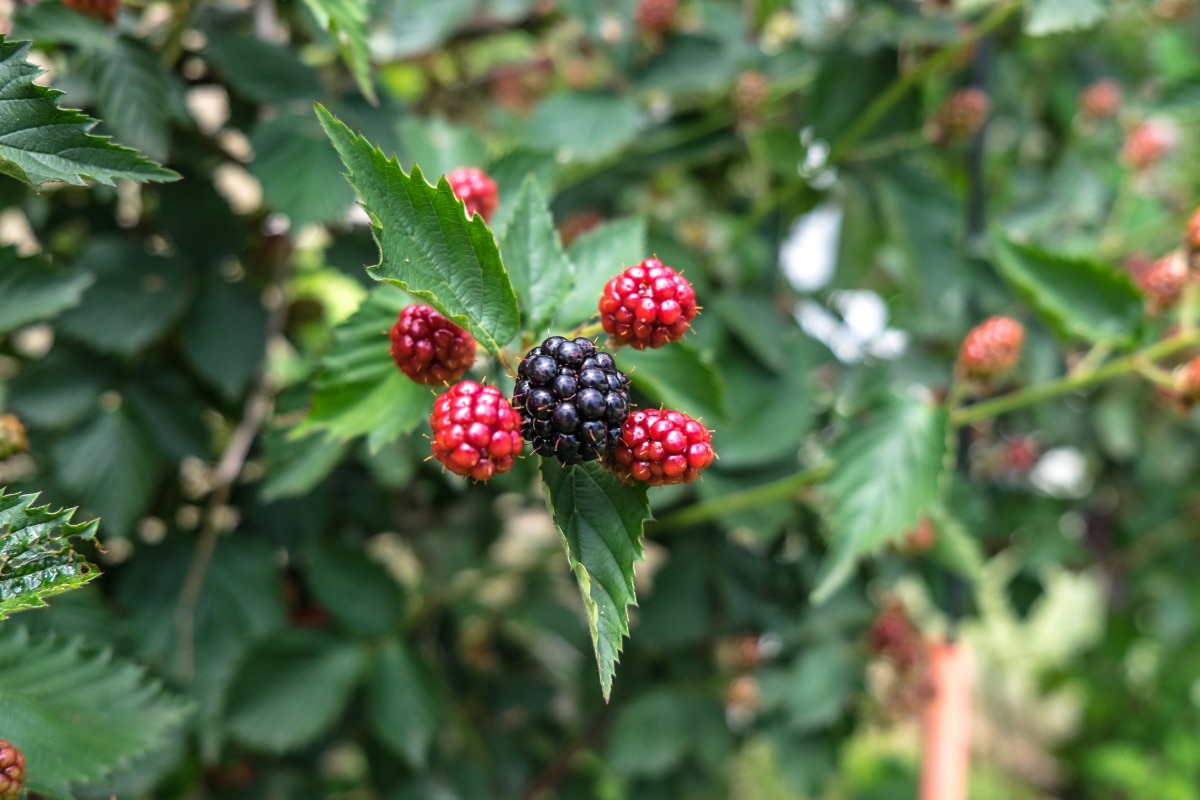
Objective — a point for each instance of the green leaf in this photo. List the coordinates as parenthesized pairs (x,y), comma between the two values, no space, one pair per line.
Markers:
(408,29)
(813,691)
(428,245)
(403,706)
(678,376)
(262,71)
(32,290)
(953,546)
(509,171)
(225,336)
(291,688)
(540,271)
(584,126)
(295,465)
(650,736)
(887,476)
(438,146)
(600,521)
(346,21)
(41,142)
(112,465)
(359,390)
(1079,298)
(356,589)
(36,559)
(300,172)
(1058,16)
(55,23)
(599,255)
(75,712)
(133,90)
(58,390)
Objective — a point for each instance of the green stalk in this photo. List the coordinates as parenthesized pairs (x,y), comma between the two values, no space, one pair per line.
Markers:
(780,489)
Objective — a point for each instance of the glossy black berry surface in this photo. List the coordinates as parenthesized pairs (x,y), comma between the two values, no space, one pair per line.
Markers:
(572,400)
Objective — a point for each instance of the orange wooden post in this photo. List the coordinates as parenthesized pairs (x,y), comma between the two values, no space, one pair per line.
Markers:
(947,724)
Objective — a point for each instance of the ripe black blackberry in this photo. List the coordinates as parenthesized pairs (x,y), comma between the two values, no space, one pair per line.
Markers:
(572,400)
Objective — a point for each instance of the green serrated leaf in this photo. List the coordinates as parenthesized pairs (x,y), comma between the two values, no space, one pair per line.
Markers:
(599,255)
(356,589)
(75,712)
(428,245)
(403,706)
(359,390)
(1079,298)
(132,88)
(36,559)
(600,520)
(540,271)
(300,172)
(887,475)
(32,290)
(587,126)
(111,464)
(1059,16)
(41,142)
(291,688)
(346,22)
(678,376)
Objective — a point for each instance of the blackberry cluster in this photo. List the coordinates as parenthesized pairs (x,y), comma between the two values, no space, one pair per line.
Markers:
(572,400)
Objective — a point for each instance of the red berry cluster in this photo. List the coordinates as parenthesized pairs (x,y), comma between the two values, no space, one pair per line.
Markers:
(1163,281)
(476,433)
(990,349)
(429,348)
(962,114)
(648,305)
(1146,145)
(12,771)
(897,641)
(477,191)
(1100,100)
(661,447)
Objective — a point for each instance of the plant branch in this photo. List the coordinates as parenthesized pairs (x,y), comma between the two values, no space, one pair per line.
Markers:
(780,489)
(1075,381)
(233,459)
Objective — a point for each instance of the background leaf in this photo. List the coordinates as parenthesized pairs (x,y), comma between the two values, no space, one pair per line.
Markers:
(32,290)
(346,22)
(600,520)
(132,88)
(36,559)
(886,476)
(358,591)
(224,336)
(262,70)
(540,271)
(584,126)
(679,377)
(300,172)
(76,713)
(43,142)
(403,707)
(598,255)
(428,245)
(1059,16)
(1077,297)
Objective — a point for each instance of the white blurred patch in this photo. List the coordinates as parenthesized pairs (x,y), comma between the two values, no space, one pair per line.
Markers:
(209,106)
(808,256)
(858,329)
(1062,472)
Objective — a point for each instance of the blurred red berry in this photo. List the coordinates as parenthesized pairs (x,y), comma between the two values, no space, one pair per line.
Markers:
(1100,100)
(477,191)
(1021,454)
(991,349)
(962,114)
(104,9)
(12,771)
(13,440)
(656,16)
(1147,144)
(577,224)
(1187,382)
(1163,282)
(750,92)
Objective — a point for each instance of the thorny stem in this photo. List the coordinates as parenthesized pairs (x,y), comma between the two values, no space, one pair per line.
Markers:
(258,408)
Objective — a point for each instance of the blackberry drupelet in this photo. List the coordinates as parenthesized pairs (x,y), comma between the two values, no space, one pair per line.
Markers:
(572,400)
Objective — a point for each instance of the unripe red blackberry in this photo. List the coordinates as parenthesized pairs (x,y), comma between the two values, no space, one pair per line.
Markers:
(750,92)
(477,191)
(1100,100)
(919,538)
(1187,383)
(12,771)
(1021,454)
(577,225)
(1163,282)
(647,306)
(990,349)
(1147,144)
(476,433)
(13,440)
(894,636)
(1192,237)
(429,348)
(104,9)
(572,400)
(660,447)
(656,17)
(962,114)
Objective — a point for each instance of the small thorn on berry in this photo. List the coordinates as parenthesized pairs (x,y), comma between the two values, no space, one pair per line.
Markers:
(477,191)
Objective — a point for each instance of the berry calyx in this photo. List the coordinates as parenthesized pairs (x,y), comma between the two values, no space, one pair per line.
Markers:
(990,349)
(656,17)
(1163,282)
(13,440)
(648,305)
(12,771)
(572,400)
(661,447)
(476,433)
(1100,100)
(962,114)
(429,348)
(477,191)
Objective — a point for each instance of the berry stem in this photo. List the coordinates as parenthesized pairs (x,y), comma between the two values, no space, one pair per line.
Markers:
(890,146)
(588,331)
(780,489)
(1075,381)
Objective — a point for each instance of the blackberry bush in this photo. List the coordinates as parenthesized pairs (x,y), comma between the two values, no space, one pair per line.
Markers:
(572,400)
